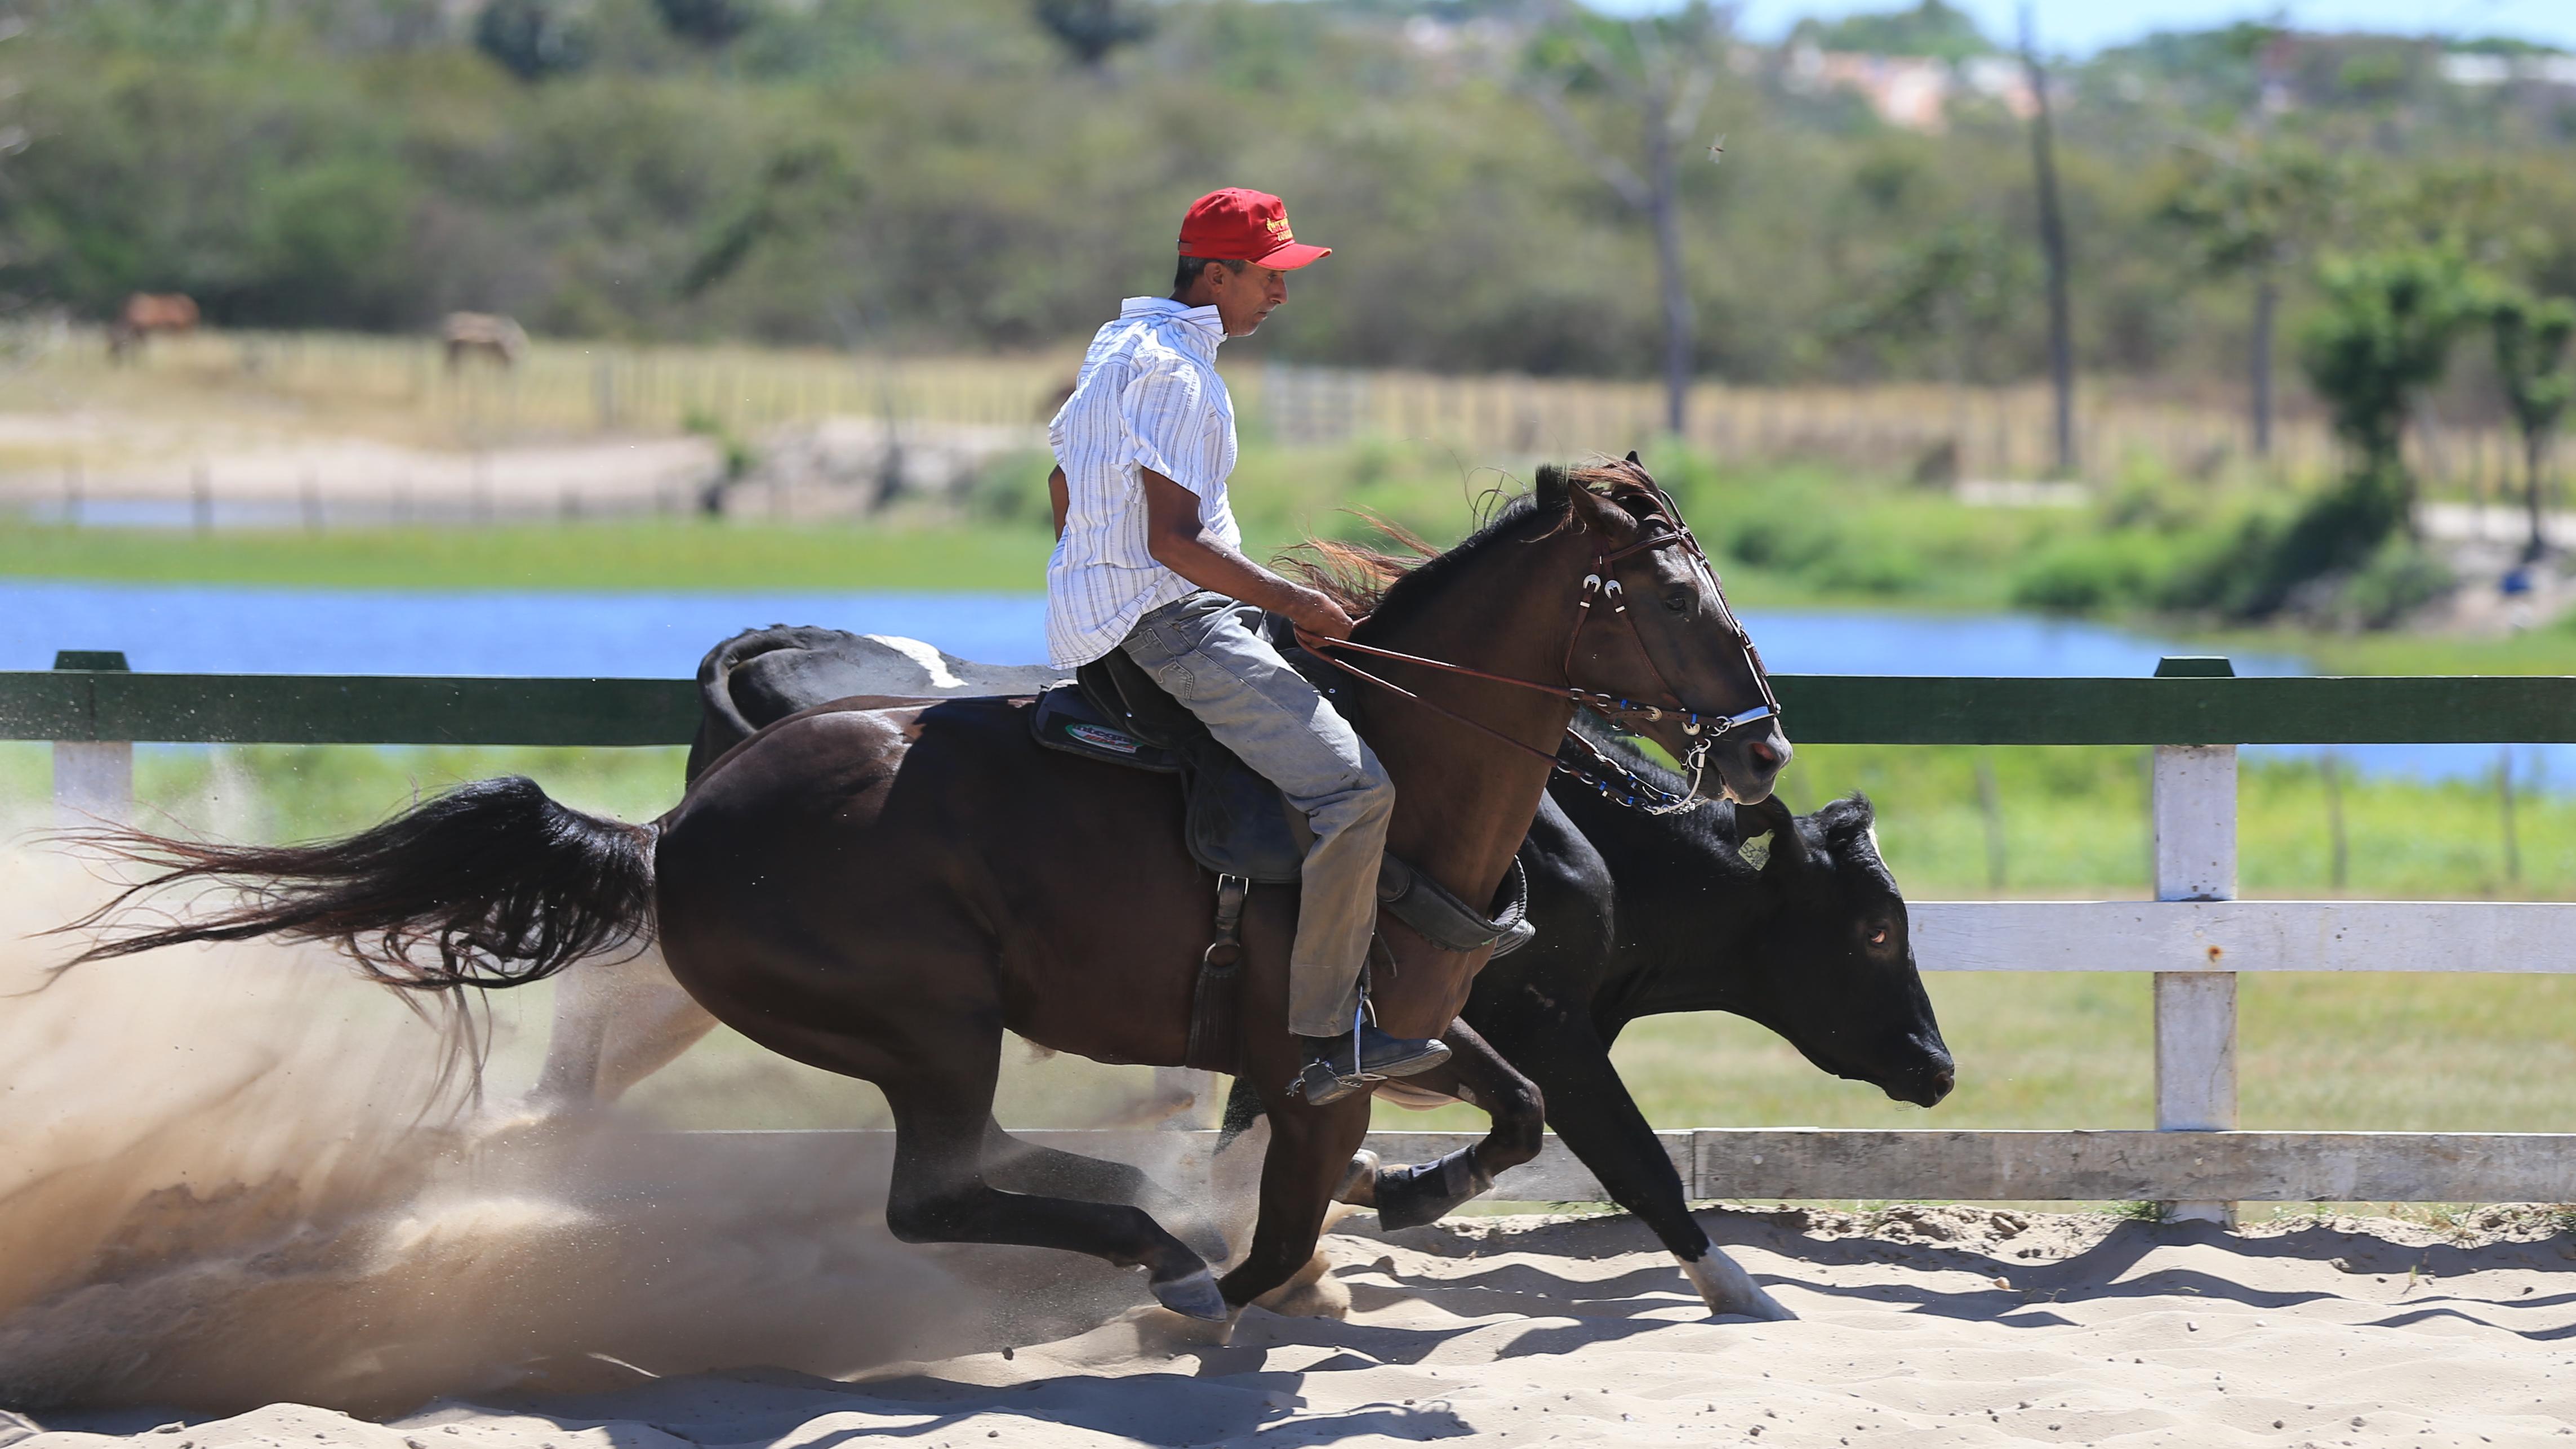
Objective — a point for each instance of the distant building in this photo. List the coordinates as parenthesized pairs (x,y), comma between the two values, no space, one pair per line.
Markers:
(1911,91)
(2476,68)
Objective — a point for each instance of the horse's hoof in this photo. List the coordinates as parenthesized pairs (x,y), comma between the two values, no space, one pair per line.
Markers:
(1193,1295)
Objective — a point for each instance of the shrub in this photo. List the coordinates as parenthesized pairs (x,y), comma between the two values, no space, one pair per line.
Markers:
(532,39)
(2092,573)
(707,22)
(2398,580)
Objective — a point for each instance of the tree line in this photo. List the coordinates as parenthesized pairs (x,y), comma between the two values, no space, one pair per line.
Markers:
(1512,185)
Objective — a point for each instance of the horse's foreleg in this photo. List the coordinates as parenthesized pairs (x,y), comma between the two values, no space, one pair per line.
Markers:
(1310,1150)
(940,1192)
(1409,1197)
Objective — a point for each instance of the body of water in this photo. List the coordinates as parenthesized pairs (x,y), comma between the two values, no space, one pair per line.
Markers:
(223,630)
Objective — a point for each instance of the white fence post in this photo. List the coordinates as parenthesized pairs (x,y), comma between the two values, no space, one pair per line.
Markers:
(93,779)
(2195,824)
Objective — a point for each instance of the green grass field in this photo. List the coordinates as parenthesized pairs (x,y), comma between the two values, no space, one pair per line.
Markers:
(2388,1052)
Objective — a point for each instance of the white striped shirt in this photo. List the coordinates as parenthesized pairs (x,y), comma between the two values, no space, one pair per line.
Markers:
(1148,396)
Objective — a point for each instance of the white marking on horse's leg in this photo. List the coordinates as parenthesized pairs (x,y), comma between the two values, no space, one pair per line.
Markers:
(927,656)
(1728,1289)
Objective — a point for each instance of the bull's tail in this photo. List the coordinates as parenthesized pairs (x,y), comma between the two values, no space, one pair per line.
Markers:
(491,884)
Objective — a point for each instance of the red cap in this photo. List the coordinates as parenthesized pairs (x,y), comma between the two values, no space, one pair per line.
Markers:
(1240,225)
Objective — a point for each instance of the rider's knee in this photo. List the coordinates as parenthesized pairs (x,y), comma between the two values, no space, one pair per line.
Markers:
(1376,793)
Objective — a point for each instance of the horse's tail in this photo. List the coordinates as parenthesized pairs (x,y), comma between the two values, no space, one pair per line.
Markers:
(491,884)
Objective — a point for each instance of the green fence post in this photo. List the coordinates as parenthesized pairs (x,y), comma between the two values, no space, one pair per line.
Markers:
(93,779)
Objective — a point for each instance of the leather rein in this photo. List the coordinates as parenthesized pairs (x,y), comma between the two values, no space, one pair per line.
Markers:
(1601,583)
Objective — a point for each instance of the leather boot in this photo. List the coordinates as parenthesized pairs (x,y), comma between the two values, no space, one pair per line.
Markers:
(1336,1066)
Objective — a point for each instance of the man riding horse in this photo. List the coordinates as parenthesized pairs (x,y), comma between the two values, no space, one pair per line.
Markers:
(1148,560)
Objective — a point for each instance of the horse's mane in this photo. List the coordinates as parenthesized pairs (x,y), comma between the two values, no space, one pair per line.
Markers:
(1387,583)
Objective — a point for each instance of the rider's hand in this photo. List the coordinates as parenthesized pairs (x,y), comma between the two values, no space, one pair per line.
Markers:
(1318,615)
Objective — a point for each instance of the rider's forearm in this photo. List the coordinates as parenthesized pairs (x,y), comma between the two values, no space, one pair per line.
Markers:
(1207,562)
(1059,498)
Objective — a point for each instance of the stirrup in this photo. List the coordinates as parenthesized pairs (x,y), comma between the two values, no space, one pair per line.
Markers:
(1321,1086)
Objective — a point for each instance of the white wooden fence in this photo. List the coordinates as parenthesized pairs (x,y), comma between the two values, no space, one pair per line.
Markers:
(2195,938)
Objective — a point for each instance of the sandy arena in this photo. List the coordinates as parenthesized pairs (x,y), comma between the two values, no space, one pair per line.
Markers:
(223,1222)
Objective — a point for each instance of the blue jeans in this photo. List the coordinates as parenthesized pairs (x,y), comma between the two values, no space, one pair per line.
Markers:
(1208,651)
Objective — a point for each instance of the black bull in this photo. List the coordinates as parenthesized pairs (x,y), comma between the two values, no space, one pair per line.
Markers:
(1637,915)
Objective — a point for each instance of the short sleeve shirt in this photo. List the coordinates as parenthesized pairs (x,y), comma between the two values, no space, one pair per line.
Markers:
(1148,396)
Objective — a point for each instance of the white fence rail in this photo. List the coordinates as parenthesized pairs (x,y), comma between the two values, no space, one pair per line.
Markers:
(2194,939)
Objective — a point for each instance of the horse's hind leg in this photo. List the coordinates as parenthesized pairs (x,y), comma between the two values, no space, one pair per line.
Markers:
(1016,1165)
(615,1023)
(940,1193)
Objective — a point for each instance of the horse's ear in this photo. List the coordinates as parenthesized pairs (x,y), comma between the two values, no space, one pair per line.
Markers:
(1633,458)
(1553,490)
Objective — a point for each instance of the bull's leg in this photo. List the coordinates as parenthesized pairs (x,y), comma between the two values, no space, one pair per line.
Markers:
(941,1193)
(1409,1197)
(615,1023)
(1599,1123)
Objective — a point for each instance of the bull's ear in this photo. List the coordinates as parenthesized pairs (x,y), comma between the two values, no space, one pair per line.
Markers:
(1552,487)
(1788,848)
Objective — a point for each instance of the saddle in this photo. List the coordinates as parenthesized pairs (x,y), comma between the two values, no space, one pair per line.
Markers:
(1236,823)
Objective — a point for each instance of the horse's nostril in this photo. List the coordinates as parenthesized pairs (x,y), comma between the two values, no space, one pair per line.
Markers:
(1764,752)
(1942,1081)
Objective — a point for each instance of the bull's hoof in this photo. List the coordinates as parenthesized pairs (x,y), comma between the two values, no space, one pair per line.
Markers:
(1412,1197)
(1359,1180)
(1730,1292)
(1194,1294)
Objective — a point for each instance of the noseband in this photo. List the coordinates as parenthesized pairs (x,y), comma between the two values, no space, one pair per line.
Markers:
(1601,583)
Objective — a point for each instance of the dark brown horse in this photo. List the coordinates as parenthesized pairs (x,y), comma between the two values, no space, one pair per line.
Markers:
(881,887)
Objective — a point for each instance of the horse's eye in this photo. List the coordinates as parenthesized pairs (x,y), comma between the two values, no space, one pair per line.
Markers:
(1679,602)
(1878,937)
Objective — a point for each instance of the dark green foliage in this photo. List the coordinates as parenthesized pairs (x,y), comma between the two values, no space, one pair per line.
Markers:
(936,175)
(533,39)
(1093,29)
(2539,381)
(2256,208)
(2385,334)
(708,22)
(2532,362)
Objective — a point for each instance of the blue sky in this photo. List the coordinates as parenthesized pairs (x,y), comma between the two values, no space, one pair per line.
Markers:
(2084,26)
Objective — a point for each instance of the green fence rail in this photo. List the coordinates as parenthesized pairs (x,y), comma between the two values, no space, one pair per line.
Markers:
(80,705)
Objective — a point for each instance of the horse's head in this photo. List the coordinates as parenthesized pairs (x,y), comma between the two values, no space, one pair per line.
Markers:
(1834,969)
(1655,635)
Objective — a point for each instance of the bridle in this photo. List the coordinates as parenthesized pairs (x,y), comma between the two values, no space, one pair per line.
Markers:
(1664,529)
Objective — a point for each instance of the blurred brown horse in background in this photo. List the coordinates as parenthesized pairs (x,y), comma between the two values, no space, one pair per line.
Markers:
(883,887)
(145,313)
